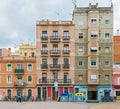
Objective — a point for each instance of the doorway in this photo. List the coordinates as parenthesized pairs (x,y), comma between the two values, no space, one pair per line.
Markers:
(54,94)
(92,95)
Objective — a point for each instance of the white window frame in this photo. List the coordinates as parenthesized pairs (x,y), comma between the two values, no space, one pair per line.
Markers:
(8,79)
(81,64)
(107,35)
(93,77)
(29,81)
(8,68)
(94,61)
(107,22)
(28,68)
(80,50)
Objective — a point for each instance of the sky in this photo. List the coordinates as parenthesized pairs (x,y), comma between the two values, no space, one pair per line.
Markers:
(18,17)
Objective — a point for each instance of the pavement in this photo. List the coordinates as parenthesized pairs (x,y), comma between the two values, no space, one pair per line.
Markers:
(58,105)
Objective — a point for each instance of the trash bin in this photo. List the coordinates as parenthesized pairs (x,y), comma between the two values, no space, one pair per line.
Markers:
(71,97)
(79,97)
(64,97)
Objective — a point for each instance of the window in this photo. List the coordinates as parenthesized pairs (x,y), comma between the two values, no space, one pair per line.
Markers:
(66,48)
(66,89)
(25,54)
(106,77)
(66,61)
(80,36)
(44,61)
(29,79)
(93,49)
(107,36)
(93,20)
(0,52)
(66,34)
(106,63)
(29,93)
(33,54)
(80,63)
(55,77)
(93,63)
(44,33)
(80,77)
(66,77)
(80,50)
(19,66)
(9,79)
(93,77)
(29,67)
(107,22)
(55,48)
(107,49)
(44,78)
(119,80)
(55,34)
(44,47)
(94,33)
(9,67)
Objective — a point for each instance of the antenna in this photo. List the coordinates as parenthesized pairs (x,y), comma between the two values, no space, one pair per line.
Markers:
(74,2)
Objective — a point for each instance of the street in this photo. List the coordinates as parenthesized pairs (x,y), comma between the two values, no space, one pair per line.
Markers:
(58,105)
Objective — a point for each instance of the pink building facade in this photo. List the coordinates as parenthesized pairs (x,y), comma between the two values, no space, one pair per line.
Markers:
(116,83)
(5,52)
(55,54)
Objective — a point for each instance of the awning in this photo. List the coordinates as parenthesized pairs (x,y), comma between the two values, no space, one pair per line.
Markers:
(93,48)
(94,32)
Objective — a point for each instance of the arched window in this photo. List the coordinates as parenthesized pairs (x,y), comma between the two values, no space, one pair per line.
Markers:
(29,79)
(29,93)
(9,93)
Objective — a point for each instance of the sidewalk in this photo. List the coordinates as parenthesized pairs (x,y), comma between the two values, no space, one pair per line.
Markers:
(115,105)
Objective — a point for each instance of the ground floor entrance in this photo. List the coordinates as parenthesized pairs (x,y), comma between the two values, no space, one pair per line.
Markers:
(92,95)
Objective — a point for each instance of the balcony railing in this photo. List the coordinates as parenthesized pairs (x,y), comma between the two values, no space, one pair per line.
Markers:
(66,38)
(55,52)
(17,84)
(66,66)
(44,66)
(51,81)
(44,52)
(19,71)
(55,38)
(66,52)
(44,38)
(55,66)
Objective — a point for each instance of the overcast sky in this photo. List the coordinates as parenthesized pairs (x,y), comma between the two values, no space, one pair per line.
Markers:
(18,17)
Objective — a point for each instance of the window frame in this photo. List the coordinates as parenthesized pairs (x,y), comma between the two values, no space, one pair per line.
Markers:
(28,67)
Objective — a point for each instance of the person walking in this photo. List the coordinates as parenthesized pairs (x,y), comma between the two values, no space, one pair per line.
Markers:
(19,98)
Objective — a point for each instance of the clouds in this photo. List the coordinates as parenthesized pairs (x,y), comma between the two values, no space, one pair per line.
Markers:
(18,18)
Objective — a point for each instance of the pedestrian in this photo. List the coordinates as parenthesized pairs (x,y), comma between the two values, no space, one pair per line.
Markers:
(19,97)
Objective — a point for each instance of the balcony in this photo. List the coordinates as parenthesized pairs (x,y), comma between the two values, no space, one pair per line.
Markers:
(17,84)
(55,39)
(44,39)
(66,52)
(55,53)
(44,66)
(66,38)
(55,67)
(44,52)
(19,71)
(51,81)
(66,66)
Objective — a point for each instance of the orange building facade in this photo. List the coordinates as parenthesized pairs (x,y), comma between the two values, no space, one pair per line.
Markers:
(17,75)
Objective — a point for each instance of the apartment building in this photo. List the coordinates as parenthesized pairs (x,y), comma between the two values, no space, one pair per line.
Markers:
(17,75)
(25,50)
(5,52)
(55,51)
(116,67)
(94,51)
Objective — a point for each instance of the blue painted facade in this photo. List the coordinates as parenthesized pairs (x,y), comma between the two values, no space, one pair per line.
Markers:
(102,89)
(82,89)
(100,93)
